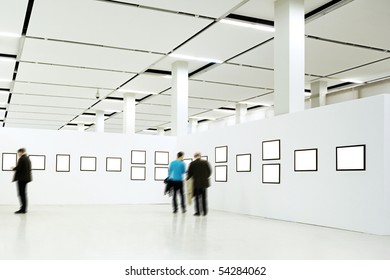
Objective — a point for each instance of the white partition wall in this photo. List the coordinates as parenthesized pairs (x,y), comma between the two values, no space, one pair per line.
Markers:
(309,189)
(74,180)
(356,200)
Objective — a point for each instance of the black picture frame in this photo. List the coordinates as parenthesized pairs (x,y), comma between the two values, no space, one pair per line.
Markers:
(296,152)
(340,148)
(34,158)
(9,156)
(113,170)
(221,168)
(57,163)
(243,169)
(161,161)
(85,158)
(263,173)
(264,150)
(221,154)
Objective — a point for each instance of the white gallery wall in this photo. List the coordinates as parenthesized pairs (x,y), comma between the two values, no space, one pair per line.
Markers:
(353,200)
(85,187)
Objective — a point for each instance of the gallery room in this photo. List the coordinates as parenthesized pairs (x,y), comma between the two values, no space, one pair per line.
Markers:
(286,100)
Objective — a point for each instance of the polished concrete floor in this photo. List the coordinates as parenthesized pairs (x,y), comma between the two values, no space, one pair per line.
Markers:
(153,232)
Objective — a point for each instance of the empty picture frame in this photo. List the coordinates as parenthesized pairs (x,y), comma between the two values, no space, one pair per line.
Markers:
(138,157)
(138,173)
(243,162)
(62,163)
(113,164)
(87,163)
(351,158)
(161,158)
(271,150)
(9,161)
(160,173)
(271,173)
(221,173)
(38,162)
(306,160)
(221,154)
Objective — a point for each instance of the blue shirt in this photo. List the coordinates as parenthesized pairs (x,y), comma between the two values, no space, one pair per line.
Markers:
(176,170)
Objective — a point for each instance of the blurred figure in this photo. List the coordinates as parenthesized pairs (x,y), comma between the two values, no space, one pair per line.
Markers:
(176,171)
(22,176)
(200,171)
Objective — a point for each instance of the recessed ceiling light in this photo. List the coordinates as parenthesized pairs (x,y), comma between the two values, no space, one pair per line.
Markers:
(352,81)
(257,26)
(7,59)
(9,34)
(136,91)
(195,58)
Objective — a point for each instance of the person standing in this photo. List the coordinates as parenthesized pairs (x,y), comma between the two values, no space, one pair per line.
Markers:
(22,176)
(176,171)
(200,171)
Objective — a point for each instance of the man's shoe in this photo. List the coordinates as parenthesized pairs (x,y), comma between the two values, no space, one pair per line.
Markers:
(196,214)
(184,210)
(20,212)
(174,211)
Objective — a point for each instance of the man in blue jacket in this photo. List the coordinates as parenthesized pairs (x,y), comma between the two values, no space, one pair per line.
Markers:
(176,171)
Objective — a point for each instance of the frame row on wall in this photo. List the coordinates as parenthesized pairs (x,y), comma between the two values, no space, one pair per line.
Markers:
(348,158)
(87,163)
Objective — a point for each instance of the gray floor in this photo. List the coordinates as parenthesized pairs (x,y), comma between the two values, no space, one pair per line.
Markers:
(153,232)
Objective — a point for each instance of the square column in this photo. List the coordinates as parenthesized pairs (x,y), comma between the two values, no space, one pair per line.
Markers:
(80,127)
(193,125)
(319,90)
(99,121)
(289,56)
(241,110)
(179,101)
(129,113)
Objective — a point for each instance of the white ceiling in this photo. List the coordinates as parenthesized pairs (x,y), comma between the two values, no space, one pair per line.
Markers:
(71,51)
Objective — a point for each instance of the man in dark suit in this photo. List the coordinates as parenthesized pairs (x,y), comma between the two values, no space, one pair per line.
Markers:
(22,176)
(200,171)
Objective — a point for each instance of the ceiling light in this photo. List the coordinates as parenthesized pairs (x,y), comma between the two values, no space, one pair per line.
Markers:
(254,103)
(224,111)
(195,58)
(257,26)
(136,91)
(7,59)
(352,81)
(203,118)
(9,34)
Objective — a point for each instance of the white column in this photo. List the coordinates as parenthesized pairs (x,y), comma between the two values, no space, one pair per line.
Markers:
(129,113)
(319,90)
(241,110)
(160,131)
(99,121)
(193,125)
(80,127)
(289,56)
(179,98)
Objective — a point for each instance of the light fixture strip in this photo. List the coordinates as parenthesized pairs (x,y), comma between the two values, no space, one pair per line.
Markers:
(256,26)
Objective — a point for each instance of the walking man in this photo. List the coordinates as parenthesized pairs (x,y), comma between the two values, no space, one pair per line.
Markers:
(200,171)
(22,176)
